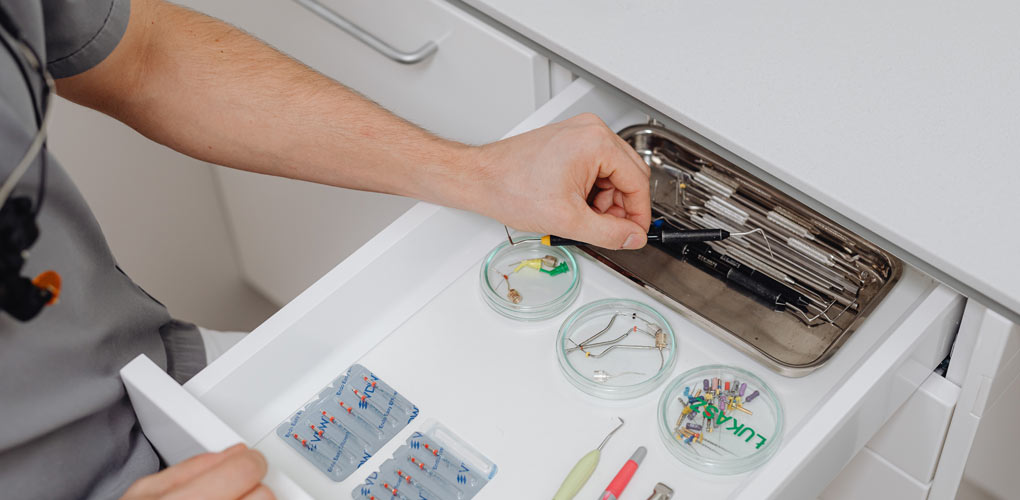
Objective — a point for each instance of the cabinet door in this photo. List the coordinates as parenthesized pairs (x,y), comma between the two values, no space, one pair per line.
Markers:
(986,360)
(477,85)
(899,461)
(923,450)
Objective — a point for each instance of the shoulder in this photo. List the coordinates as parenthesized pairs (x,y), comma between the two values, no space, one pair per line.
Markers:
(81,33)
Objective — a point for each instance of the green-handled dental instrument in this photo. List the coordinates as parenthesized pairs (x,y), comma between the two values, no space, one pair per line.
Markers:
(582,471)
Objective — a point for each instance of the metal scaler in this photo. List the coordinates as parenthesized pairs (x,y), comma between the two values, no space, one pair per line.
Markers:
(661,492)
(582,470)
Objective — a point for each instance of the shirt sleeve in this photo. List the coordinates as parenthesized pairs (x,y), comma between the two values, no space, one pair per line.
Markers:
(81,33)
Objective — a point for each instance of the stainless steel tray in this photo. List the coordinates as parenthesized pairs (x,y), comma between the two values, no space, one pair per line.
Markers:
(837,276)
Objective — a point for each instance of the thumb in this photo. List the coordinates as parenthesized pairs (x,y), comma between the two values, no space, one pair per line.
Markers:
(609,231)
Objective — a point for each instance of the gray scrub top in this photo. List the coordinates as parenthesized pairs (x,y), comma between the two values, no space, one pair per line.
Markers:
(67,429)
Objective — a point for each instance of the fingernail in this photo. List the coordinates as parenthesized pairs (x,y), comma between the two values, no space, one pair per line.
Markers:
(260,493)
(238,446)
(631,242)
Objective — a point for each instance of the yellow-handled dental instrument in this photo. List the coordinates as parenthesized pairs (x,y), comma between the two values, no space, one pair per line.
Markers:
(582,471)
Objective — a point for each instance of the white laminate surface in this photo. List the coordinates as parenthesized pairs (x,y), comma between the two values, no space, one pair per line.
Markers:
(904,116)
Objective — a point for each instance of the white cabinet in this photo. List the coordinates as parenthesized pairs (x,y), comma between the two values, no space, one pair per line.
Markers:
(899,461)
(496,383)
(477,85)
(923,449)
(989,348)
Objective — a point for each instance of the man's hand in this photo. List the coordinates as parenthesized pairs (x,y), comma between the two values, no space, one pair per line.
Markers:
(234,473)
(542,181)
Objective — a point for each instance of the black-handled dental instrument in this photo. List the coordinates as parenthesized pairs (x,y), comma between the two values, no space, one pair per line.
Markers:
(666,236)
(755,284)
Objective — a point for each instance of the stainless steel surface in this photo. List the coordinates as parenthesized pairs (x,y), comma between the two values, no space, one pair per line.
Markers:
(369,39)
(838,276)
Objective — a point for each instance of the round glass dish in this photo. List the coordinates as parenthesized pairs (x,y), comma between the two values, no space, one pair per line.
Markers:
(731,427)
(529,281)
(616,349)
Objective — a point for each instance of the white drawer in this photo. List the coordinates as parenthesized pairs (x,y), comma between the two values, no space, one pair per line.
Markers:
(425,330)
(477,85)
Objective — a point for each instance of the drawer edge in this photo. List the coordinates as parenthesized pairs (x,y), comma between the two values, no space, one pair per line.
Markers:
(853,414)
(180,427)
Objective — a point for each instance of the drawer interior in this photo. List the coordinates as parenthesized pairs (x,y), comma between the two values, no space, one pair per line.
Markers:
(496,383)
(426,330)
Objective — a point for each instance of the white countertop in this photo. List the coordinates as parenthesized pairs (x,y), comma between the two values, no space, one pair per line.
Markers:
(903,117)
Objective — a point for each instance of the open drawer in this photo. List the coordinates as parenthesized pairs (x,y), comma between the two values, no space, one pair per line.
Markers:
(407,306)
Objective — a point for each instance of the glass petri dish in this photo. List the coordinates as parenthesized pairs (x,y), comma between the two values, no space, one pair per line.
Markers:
(616,349)
(718,430)
(529,281)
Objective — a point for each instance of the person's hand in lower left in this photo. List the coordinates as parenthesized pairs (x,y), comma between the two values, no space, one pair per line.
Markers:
(232,474)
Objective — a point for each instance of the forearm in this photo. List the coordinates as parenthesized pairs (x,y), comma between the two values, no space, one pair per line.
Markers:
(213,92)
(210,91)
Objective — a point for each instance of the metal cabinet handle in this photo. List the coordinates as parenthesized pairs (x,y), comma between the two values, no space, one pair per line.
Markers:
(369,39)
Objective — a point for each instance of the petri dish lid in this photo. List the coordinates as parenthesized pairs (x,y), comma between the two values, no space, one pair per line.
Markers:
(529,281)
(616,349)
(718,430)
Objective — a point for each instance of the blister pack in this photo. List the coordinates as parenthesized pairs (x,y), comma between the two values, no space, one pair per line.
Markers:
(347,422)
(433,464)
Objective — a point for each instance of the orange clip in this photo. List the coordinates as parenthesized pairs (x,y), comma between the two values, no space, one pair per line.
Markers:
(49,281)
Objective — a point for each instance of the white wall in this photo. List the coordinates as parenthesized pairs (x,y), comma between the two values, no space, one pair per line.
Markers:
(162,217)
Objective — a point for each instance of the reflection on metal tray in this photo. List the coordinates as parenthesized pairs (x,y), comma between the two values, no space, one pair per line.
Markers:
(790,294)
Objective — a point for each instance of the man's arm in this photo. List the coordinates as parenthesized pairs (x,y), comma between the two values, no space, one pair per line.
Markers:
(212,92)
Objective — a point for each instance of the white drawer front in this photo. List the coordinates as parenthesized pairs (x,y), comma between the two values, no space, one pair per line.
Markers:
(986,361)
(476,86)
(180,427)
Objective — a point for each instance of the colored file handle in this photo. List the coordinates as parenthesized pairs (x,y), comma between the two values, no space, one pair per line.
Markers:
(578,476)
(555,241)
(619,482)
